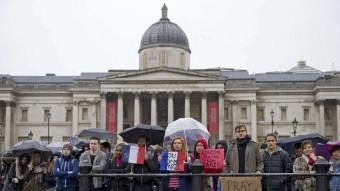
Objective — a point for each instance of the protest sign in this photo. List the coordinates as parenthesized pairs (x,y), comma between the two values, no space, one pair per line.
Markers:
(212,160)
(172,161)
(241,183)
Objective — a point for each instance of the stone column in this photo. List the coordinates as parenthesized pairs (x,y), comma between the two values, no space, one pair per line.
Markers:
(234,108)
(94,114)
(170,107)
(153,108)
(253,120)
(321,117)
(204,112)
(103,110)
(338,119)
(221,133)
(119,115)
(75,116)
(8,126)
(136,120)
(187,104)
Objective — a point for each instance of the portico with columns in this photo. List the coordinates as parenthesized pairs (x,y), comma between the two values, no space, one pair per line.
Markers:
(156,97)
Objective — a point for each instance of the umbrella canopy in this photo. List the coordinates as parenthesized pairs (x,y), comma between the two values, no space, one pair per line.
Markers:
(56,146)
(155,133)
(29,147)
(96,132)
(325,150)
(188,128)
(289,143)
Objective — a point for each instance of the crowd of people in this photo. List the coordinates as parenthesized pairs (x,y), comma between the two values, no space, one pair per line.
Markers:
(242,155)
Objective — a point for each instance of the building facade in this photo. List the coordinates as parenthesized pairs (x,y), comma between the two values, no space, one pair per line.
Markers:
(163,89)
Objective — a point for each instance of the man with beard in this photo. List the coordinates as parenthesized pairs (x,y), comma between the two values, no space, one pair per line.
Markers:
(243,155)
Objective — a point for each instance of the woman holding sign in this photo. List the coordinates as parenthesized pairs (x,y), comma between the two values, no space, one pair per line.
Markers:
(176,160)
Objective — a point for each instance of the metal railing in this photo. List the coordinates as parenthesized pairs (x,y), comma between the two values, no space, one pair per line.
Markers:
(321,175)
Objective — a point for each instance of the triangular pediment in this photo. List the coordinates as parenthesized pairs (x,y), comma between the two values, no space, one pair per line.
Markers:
(163,74)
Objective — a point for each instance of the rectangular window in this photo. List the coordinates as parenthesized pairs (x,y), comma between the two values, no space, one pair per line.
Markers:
(283,114)
(260,114)
(306,114)
(24,115)
(44,139)
(68,115)
(226,113)
(23,138)
(243,113)
(47,114)
(66,138)
(85,114)
(2,115)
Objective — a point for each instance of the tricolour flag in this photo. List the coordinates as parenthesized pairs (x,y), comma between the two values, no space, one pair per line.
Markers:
(172,161)
(133,154)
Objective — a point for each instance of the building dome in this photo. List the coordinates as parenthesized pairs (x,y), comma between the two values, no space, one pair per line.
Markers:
(164,33)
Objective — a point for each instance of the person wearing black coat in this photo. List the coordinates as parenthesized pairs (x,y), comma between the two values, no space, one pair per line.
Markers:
(143,183)
(116,165)
(275,160)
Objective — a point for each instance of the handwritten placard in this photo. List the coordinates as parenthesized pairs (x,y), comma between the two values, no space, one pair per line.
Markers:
(241,184)
(172,161)
(212,160)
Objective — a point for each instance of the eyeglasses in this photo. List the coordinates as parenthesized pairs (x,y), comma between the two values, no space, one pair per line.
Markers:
(93,143)
(271,140)
(241,131)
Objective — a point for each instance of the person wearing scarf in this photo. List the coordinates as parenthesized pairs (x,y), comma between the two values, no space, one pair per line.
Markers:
(304,164)
(239,148)
(116,165)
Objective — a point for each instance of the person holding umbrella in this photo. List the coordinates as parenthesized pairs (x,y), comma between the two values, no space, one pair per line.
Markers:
(305,164)
(149,166)
(18,174)
(178,183)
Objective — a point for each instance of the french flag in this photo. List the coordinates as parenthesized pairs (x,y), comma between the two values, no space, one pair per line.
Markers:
(172,161)
(133,154)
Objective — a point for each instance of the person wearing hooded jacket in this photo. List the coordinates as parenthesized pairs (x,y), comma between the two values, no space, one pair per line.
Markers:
(65,169)
(243,155)
(200,145)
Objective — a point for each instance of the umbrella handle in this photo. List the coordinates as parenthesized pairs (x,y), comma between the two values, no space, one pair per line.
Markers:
(186,146)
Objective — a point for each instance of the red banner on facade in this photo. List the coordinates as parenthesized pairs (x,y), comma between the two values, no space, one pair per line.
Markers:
(111,109)
(213,117)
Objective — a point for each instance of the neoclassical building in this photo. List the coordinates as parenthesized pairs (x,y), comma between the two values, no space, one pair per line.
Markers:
(163,89)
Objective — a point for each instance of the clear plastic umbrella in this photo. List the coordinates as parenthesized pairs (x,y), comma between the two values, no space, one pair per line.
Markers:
(187,128)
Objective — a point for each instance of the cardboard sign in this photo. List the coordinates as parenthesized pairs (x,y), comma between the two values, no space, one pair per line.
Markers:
(172,161)
(241,183)
(212,160)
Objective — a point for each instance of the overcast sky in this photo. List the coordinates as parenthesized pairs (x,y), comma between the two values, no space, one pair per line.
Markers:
(67,37)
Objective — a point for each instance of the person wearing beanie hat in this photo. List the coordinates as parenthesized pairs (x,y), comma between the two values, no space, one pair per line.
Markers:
(66,169)
(68,146)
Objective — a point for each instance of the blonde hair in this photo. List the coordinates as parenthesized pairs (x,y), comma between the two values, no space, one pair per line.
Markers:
(117,145)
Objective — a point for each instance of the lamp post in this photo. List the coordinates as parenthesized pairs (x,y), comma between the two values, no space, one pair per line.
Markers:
(272,116)
(295,123)
(276,133)
(30,135)
(48,127)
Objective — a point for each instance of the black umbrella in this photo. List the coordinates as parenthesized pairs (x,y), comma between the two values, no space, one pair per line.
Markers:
(288,144)
(96,132)
(30,146)
(154,133)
